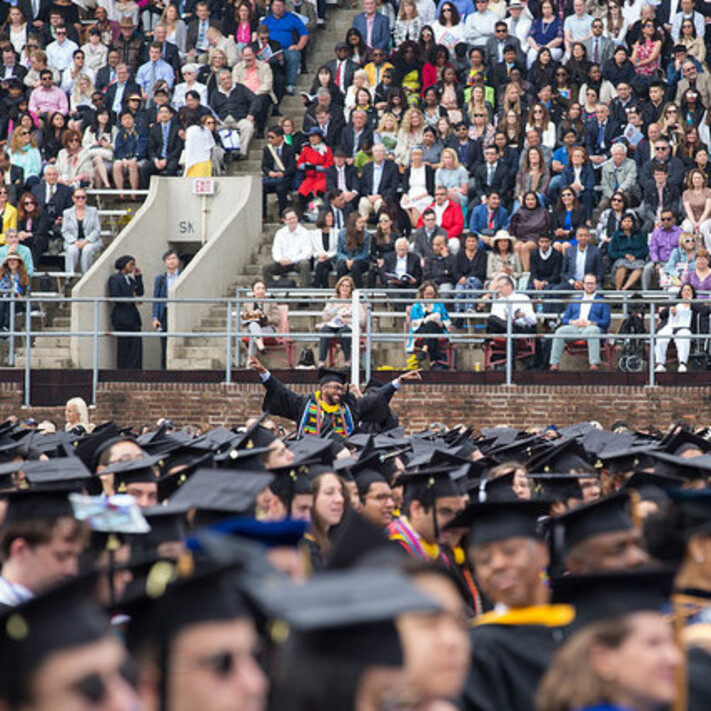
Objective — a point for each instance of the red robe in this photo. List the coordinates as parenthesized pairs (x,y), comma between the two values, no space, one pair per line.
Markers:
(314,181)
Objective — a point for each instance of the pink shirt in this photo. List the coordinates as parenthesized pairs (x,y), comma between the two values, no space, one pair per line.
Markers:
(48,101)
(251,80)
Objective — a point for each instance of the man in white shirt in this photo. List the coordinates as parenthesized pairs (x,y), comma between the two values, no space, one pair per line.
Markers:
(577,27)
(61,52)
(519,22)
(586,316)
(508,300)
(687,12)
(292,250)
(480,25)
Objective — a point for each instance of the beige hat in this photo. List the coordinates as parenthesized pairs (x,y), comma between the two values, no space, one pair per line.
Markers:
(126,22)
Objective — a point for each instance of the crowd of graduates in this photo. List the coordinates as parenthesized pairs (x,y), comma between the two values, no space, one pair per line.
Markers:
(319,557)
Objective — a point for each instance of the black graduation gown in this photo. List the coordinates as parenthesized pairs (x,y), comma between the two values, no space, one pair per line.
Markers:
(125,317)
(699,680)
(509,660)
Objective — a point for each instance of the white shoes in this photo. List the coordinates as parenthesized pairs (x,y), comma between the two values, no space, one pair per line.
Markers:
(661,368)
(682,368)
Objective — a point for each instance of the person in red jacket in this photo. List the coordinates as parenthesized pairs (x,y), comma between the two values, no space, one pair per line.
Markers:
(314,160)
(448,214)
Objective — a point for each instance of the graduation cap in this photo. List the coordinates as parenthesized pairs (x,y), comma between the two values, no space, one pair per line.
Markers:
(650,486)
(222,493)
(62,474)
(605,596)
(332,375)
(89,449)
(249,459)
(585,522)
(133,471)
(499,488)
(498,520)
(626,459)
(689,468)
(554,486)
(168,522)
(561,458)
(62,618)
(289,482)
(359,542)
(683,441)
(695,507)
(271,534)
(520,450)
(350,615)
(312,450)
(32,505)
(178,470)
(366,472)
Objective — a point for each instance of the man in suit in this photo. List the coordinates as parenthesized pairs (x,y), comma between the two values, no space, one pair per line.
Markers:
(599,48)
(659,196)
(127,282)
(579,261)
(278,168)
(693,80)
(468,151)
(501,73)
(106,76)
(599,135)
(662,155)
(496,45)
(342,67)
(373,27)
(588,315)
(270,51)
(343,177)
(353,136)
(423,237)
(54,197)
(161,290)
(35,12)
(119,91)
(169,51)
(379,182)
(401,269)
(490,175)
(197,43)
(164,146)
(488,218)
(332,128)
(10,67)
(619,175)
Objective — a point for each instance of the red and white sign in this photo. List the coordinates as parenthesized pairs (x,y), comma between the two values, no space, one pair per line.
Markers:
(204,186)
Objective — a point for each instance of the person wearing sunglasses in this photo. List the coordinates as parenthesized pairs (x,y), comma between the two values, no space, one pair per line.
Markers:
(8,214)
(665,240)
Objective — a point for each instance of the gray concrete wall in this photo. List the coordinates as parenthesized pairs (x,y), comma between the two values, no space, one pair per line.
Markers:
(172,216)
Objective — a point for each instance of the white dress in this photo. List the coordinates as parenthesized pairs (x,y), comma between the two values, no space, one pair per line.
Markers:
(198,146)
(417,194)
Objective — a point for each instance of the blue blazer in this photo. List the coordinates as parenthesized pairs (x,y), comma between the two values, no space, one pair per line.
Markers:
(478,222)
(593,264)
(587,176)
(160,291)
(381,30)
(599,312)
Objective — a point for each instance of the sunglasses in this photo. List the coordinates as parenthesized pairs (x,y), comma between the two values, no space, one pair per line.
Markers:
(620,200)
(27,203)
(661,148)
(80,197)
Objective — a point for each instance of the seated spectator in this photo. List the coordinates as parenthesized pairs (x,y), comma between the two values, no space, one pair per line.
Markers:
(418,186)
(258,78)
(531,220)
(50,136)
(566,219)
(619,175)
(8,213)
(314,160)
(660,196)
(291,250)
(190,82)
(155,70)
(580,176)
(81,230)
(23,153)
(338,320)
(400,268)
(429,326)
(284,27)
(95,51)
(469,273)
(353,250)
(682,260)
(423,237)
(14,279)
(233,105)
(13,245)
(584,258)
(379,182)
(439,268)
(546,265)
(278,168)
(260,317)
(585,316)
(487,219)
(382,244)
(54,198)
(700,278)
(73,161)
(600,133)
(533,177)
(269,50)
(609,221)
(448,216)
(164,146)
(503,258)
(678,323)
(32,228)
(696,200)
(507,304)
(345,178)
(131,148)
(324,247)
(628,250)
(452,176)
(664,240)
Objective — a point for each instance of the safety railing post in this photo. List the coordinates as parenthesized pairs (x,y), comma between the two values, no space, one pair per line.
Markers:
(355,338)
(238,329)
(95,355)
(228,358)
(28,351)
(11,344)
(368,337)
(652,335)
(509,343)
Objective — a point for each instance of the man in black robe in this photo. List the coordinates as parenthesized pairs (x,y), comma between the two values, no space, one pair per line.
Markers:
(331,411)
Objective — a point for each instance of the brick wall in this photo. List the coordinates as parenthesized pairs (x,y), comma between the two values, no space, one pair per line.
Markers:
(482,405)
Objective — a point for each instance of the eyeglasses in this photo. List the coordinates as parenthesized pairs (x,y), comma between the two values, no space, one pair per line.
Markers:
(661,148)
(27,203)
(688,241)
(73,140)
(672,111)
(381,497)
(59,33)
(80,197)
(620,200)
(501,31)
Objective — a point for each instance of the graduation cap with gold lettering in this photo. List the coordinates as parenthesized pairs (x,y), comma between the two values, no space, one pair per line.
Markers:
(493,521)
(290,481)
(134,471)
(561,458)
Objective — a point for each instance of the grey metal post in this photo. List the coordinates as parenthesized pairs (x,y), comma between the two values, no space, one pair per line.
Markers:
(509,343)
(95,363)
(238,323)
(28,354)
(368,337)
(652,335)
(355,338)
(11,345)
(228,366)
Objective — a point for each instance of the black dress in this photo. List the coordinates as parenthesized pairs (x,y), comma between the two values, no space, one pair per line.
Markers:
(125,317)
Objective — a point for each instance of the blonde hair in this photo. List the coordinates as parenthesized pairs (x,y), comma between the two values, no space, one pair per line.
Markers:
(401,14)
(343,279)
(407,120)
(361,74)
(381,123)
(77,92)
(83,409)
(455,158)
(683,237)
(16,140)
